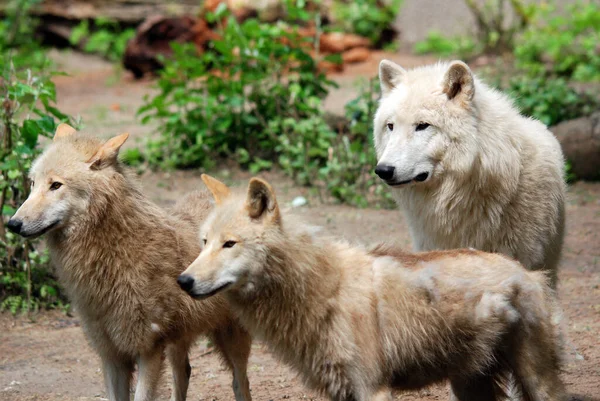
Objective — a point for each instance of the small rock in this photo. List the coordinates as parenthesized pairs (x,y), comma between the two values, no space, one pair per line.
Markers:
(580,141)
(356,55)
(299,201)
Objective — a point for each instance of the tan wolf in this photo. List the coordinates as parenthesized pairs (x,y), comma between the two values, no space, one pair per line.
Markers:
(118,256)
(466,168)
(357,323)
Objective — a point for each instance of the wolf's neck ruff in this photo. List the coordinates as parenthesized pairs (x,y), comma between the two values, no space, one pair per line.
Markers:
(94,247)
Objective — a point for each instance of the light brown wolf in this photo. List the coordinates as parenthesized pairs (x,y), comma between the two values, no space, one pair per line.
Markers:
(118,256)
(357,323)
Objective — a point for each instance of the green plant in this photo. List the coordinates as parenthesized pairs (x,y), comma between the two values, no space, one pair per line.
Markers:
(551,100)
(103,36)
(369,18)
(221,103)
(132,157)
(494,33)
(458,46)
(257,97)
(563,44)
(17,37)
(570,176)
(27,113)
(349,172)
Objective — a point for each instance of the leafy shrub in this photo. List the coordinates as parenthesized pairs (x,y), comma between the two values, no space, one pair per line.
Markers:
(437,43)
(551,100)
(368,18)
(257,97)
(27,113)
(564,44)
(494,33)
(17,31)
(222,102)
(105,37)
(349,173)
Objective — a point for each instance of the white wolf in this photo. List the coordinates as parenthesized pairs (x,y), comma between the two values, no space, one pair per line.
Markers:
(467,169)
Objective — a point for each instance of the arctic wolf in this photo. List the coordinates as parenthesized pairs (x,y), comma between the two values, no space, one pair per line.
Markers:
(358,323)
(118,256)
(467,169)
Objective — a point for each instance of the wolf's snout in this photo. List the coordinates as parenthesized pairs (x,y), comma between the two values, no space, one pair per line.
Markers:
(422,177)
(186,282)
(15,225)
(385,171)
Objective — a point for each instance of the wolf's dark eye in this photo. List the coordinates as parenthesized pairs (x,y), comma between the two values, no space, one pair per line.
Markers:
(204,241)
(55,185)
(422,126)
(229,244)
(390,126)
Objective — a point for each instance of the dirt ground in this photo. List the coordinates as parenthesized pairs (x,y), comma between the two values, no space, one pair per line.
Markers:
(46,357)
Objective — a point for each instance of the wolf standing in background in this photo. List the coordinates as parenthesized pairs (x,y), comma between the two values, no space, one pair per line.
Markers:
(355,323)
(467,169)
(118,257)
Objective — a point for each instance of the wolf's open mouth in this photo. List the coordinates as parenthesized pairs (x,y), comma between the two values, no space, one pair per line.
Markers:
(196,295)
(41,232)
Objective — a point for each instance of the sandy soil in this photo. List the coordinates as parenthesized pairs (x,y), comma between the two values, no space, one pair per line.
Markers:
(46,357)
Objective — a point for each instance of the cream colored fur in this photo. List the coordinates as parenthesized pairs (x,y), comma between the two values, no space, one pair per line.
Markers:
(356,323)
(118,257)
(495,178)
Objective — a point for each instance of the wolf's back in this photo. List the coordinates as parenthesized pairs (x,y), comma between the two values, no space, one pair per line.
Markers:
(193,208)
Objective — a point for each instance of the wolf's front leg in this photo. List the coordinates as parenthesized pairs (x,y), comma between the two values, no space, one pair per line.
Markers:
(149,368)
(117,377)
(180,365)
(234,343)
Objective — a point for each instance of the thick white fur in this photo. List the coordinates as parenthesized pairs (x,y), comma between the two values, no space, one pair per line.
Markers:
(495,177)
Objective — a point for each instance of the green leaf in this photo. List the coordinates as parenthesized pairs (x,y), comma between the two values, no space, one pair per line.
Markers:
(30,132)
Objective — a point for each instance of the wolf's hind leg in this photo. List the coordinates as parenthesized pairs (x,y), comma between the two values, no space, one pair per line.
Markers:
(178,355)
(234,344)
(477,388)
(536,367)
(382,395)
(149,369)
(117,377)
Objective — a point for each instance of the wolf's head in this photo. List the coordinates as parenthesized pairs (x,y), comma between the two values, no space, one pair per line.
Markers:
(63,179)
(426,116)
(234,236)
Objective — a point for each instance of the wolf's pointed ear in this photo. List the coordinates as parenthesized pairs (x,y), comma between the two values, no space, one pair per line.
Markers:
(261,201)
(63,130)
(390,75)
(219,190)
(108,152)
(459,83)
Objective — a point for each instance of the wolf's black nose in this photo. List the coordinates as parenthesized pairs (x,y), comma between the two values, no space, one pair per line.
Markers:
(15,225)
(385,171)
(186,282)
